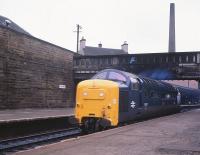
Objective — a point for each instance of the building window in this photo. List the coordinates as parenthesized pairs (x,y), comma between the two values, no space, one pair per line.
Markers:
(100,61)
(198,58)
(109,61)
(141,59)
(87,63)
(115,61)
(92,61)
(103,61)
(138,59)
(194,58)
(77,62)
(124,60)
(146,60)
(180,59)
(166,59)
(106,61)
(82,62)
(187,58)
(96,61)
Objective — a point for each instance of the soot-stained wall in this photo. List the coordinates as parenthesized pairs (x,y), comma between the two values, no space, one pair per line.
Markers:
(34,73)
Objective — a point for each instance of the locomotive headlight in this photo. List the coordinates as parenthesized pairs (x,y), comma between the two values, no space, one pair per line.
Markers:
(114,101)
(101,94)
(85,93)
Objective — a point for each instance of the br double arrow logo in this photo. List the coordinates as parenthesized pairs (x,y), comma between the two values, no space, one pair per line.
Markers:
(132,104)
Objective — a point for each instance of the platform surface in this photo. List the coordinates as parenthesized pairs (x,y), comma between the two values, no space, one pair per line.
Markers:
(31,114)
(175,134)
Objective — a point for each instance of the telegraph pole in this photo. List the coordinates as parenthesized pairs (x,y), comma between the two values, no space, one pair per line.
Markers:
(78,31)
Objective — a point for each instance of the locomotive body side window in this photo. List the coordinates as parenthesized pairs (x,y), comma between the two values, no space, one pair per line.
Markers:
(135,85)
(100,76)
(168,96)
(116,77)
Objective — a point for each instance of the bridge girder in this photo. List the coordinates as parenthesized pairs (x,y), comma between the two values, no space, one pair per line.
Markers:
(162,66)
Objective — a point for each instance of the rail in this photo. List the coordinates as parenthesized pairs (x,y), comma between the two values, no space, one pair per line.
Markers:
(21,142)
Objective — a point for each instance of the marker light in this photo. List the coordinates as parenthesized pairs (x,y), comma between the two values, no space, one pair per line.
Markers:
(101,94)
(85,93)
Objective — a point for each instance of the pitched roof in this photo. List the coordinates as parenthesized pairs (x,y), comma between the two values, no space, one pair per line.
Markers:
(5,22)
(88,50)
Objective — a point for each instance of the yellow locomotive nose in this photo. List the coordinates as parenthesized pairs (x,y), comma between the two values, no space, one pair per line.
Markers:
(97,99)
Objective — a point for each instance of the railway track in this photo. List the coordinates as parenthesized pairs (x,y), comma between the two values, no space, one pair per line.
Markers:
(28,141)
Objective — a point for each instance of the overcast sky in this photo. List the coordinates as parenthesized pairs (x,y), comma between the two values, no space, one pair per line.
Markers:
(142,23)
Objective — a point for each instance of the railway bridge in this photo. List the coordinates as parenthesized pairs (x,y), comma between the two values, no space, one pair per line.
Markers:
(160,66)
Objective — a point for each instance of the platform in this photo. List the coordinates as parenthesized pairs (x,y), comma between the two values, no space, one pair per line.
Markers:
(174,134)
(33,114)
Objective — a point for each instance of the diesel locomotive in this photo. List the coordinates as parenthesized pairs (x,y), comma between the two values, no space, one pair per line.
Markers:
(112,97)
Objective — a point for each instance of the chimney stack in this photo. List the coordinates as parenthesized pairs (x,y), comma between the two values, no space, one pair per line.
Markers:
(82,45)
(124,47)
(172,41)
(100,45)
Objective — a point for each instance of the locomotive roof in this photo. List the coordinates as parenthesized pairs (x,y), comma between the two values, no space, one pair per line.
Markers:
(120,71)
(144,80)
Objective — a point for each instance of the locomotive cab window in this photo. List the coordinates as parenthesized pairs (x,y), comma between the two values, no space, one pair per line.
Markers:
(114,76)
(135,84)
(100,76)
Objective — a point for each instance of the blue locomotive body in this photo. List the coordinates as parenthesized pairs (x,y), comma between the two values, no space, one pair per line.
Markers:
(141,96)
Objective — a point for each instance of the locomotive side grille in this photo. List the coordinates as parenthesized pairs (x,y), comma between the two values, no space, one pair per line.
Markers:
(123,101)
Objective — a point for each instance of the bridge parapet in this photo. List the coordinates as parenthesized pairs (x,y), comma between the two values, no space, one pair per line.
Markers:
(163,66)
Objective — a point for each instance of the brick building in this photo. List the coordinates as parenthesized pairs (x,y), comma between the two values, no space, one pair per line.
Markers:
(33,72)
